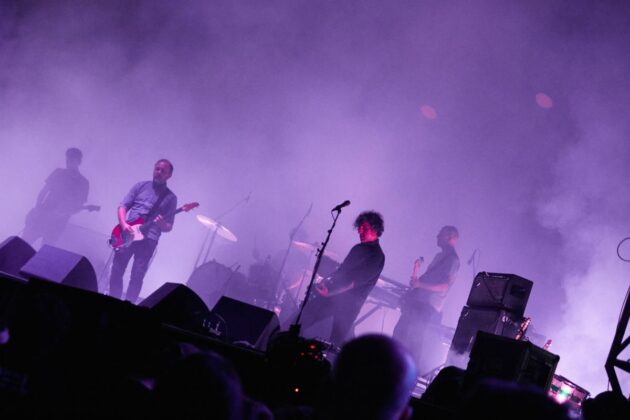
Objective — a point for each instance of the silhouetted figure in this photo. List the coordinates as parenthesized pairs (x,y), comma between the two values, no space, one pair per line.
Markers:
(421,307)
(64,194)
(444,393)
(373,378)
(200,386)
(495,399)
(342,295)
(607,405)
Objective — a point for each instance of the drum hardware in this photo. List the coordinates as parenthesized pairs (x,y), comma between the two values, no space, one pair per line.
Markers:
(215,228)
(310,248)
(279,294)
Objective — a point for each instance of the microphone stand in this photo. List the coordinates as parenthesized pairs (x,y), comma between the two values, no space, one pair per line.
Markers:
(214,233)
(295,328)
(286,254)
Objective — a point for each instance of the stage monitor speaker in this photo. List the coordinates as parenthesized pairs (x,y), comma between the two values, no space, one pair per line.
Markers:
(508,359)
(246,323)
(14,253)
(61,266)
(500,291)
(177,304)
(473,320)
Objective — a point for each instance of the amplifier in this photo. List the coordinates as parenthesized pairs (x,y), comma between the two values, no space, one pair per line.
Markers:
(500,291)
(473,320)
(504,358)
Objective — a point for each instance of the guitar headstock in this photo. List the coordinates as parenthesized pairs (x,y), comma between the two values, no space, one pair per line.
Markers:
(189,206)
(416,266)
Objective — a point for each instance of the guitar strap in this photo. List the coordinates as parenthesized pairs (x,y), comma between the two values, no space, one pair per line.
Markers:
(152,213)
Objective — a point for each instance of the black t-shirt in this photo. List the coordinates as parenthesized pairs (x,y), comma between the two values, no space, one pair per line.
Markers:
(67,192)
(362,267)
(441,270)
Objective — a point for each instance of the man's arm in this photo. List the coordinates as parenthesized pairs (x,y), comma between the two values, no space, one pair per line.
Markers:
(46,188)
(359,264)
(122,219)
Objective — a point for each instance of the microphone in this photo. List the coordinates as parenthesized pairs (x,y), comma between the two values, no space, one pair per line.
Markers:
(472,257)
(342,205)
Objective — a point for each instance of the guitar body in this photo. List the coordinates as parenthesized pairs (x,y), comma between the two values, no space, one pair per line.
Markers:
(120,239)
(413,295)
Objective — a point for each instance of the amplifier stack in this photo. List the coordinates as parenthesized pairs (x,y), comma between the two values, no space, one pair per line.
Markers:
(495,305)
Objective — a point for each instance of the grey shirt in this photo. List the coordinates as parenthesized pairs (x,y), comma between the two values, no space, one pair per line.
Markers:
(140,200)
(441,270)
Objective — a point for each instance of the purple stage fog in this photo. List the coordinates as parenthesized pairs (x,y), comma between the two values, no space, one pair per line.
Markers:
(506,119)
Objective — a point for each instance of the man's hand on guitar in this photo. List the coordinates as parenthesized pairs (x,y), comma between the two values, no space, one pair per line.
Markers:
(162,223)
(126,227)
(414,272)
(321,289)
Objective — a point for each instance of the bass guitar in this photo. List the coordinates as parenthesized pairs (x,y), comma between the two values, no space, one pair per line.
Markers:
(413,294)
(139,227)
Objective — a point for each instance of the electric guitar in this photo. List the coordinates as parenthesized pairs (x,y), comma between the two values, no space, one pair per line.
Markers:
(139,227)
(39,213)
(46,220)
(413,294)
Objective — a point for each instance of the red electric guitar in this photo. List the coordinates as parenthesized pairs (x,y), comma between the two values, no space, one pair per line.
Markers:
(120,239)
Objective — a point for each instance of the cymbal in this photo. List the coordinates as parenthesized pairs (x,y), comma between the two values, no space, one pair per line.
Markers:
(307,247)
(220,229)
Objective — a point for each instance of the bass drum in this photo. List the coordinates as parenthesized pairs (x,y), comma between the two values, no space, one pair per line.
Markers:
(212,280)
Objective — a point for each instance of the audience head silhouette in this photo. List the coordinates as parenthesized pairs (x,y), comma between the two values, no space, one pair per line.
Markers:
(372,378)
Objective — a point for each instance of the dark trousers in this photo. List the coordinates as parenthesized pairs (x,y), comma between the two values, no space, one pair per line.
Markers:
(141,251)
(39,225)
(342,310)
(414,329)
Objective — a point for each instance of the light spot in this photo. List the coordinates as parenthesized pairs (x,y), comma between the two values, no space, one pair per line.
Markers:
(543,100)
(428,112)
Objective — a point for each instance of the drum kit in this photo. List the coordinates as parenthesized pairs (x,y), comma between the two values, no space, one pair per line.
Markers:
(211,279)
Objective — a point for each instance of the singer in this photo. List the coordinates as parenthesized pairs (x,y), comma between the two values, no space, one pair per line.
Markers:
(421,306)
(342,295)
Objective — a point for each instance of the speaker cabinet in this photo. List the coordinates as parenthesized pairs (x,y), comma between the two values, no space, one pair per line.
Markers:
(500,291)
(14,253)
(246,323)
(61,266)
(177,304)
(504,358)
(473,320)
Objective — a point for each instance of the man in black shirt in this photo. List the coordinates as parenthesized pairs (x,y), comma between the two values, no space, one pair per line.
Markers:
(421,307)
(342,295)
(64,194)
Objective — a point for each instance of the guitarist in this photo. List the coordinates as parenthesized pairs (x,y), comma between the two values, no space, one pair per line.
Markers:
(148,200)
(421,306)
(342,295)
(64,194)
